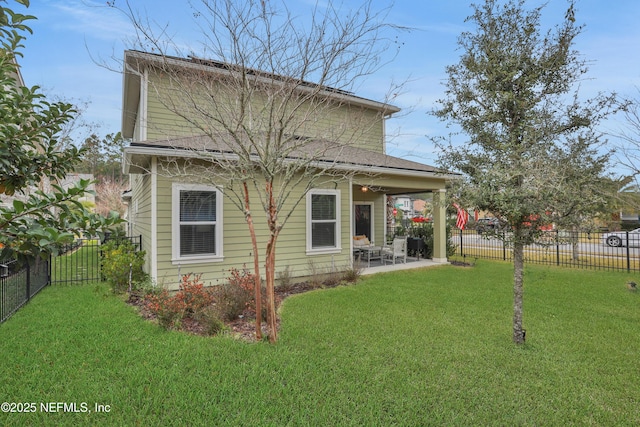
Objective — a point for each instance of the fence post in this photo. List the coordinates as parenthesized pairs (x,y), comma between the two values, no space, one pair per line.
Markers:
(49,270)
(28,281)
(628,259)
(557,248)
(504,245)
(461,251)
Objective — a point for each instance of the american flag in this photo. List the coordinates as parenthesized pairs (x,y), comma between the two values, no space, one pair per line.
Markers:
(463,217)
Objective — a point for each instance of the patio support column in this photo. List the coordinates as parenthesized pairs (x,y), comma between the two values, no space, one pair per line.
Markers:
(439,226)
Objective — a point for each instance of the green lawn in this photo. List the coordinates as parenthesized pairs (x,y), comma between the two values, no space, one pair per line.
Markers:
(421,347)
(77,266)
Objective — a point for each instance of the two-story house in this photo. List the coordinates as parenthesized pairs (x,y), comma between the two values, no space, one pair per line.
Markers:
(190,226)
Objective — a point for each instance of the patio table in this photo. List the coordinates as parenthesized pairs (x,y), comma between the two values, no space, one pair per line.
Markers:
(370,253)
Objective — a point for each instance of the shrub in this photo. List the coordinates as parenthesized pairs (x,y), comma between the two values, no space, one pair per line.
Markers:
(122,265)
(169,310)
(332,277)
(352,274)
(193,294)
(191,299)
(315,274)
(285,279)
(209,318)
(237,295)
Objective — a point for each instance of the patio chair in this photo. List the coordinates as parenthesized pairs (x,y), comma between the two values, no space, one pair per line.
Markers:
(397,251)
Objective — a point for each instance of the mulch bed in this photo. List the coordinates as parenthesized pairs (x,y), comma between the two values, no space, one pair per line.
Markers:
(243,328)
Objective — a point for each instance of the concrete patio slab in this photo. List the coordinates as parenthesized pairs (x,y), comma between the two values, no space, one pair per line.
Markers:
(410,264)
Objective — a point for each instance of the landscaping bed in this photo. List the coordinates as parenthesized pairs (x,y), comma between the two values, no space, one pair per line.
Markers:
(243,325)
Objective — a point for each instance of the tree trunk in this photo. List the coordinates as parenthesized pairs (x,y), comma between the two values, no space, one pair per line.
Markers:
(270,288)
(575,240)
(270,264)
(518,290)
(256,263)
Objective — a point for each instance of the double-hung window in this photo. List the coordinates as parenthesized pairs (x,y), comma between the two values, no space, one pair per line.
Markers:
(323,221)
(197,223)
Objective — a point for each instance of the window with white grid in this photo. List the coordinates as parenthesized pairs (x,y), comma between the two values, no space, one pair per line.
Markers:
(196,222)
(323,221)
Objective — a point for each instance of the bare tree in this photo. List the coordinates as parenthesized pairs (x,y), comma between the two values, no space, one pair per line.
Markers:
(627,148)
(258,116)
(109,197)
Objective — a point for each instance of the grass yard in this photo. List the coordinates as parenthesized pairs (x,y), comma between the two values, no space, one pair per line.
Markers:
(78,265)
(409,348)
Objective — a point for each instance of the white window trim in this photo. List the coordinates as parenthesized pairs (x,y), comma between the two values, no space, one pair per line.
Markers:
(322,251)
(176,258)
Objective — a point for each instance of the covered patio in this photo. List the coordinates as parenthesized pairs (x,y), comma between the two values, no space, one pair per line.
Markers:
(412,263)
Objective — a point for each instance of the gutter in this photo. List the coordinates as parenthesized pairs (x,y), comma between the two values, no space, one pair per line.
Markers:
(322,164)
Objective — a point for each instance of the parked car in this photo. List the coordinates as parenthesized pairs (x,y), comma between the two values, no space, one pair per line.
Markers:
(484,225)
(619,238)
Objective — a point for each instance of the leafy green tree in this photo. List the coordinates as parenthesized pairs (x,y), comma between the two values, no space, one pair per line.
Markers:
(37,215)
(102,157)
(533,157)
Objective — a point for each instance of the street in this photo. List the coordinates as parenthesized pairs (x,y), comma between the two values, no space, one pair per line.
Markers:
(589,246)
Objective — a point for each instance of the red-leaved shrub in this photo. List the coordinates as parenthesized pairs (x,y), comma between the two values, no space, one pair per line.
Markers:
(191,298)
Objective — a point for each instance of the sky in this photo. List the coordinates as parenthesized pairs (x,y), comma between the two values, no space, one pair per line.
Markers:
(77,45)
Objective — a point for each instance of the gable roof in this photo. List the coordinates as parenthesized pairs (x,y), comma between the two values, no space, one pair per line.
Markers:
(136,61)
(323,153)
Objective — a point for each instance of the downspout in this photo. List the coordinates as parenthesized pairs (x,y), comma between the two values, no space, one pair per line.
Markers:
(144,87)
(154,219)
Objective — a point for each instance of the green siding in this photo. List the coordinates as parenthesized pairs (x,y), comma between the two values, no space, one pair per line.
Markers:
(162,124)
(342,123)
(140,212)
(237,250)
(291,249)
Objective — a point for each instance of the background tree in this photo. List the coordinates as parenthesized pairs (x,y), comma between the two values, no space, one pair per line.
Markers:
(109,197)
(533,157)
(102,157)
(34,219)
(627,153)
(628,146)
(272,57)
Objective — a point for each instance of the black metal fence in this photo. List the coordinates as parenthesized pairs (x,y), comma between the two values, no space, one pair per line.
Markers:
(20,283)
(76,263)
(79,262)
(592,250)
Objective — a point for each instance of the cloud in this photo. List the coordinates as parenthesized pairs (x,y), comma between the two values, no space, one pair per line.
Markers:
(92,19)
